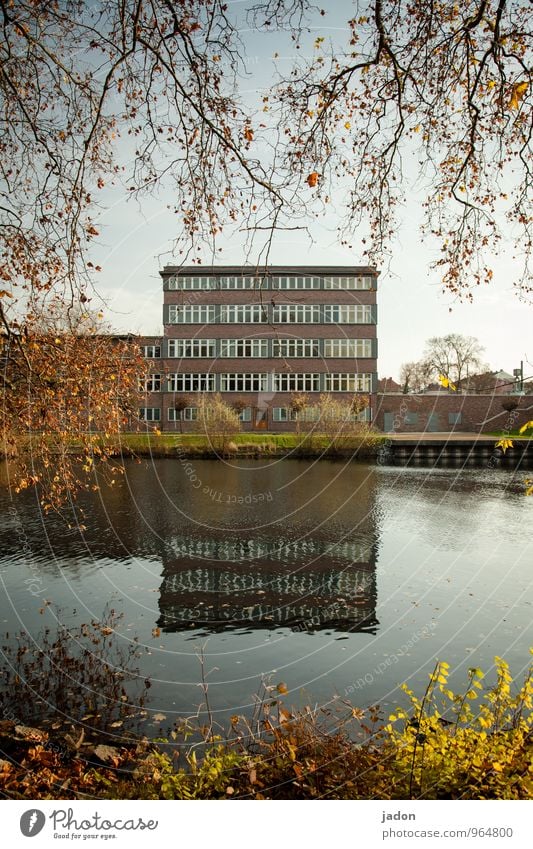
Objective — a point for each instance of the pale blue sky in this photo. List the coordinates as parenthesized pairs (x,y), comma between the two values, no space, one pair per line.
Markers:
(135,242)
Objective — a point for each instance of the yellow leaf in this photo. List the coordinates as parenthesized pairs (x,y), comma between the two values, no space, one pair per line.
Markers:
(347,125)
(504,444)
(282,688)
(526,426)
(446,382)
(518,92)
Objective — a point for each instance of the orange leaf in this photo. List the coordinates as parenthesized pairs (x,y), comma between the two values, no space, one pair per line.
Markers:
(312,179)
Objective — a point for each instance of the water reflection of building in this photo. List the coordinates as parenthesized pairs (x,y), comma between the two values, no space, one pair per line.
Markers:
(305,584)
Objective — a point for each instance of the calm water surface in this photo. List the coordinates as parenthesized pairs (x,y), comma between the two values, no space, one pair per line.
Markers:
(338,579)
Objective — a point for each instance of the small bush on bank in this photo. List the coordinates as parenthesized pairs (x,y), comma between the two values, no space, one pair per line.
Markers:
(439,748)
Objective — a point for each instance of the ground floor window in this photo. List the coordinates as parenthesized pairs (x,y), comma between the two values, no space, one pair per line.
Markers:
(150,414)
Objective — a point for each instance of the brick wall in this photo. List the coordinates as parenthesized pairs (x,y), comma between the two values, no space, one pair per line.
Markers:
(445,412)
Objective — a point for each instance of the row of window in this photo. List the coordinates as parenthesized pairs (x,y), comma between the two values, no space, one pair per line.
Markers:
(261,314)
(199,348)
(279,414)
(264,382)
(360,282)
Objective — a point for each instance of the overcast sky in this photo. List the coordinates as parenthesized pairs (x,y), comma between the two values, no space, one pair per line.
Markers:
(135,243)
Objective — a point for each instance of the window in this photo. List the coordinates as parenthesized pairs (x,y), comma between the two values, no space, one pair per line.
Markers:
(198,314)
(243,382)
(295,348)
(191,383)
(150,414)
(348,282)
(296,383)
(191,283)
(348,382)
(243,283)
(296,282)
(243,314)
(246,415)
(347,348)
(454,418)
(296,314)
(283,414)
(152,383)
(189,414)
(244,347)
(191,348)
(151,351)
(348,314)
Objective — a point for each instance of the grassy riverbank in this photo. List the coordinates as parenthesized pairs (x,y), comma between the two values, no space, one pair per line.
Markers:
(440,748)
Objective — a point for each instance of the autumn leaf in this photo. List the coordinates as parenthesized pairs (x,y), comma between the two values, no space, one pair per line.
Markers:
(282,688)
(156,632)
(446,382)
(312,179)
(504,444)
(517,93)
(248,134)
(526,426)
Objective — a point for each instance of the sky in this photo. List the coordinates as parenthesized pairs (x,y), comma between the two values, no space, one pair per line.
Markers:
(136,242)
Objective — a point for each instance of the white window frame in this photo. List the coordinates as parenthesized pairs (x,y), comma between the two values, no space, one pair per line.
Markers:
(150,414)
(296,314)
(152,352)
(244,382)
(191,314)
(152,383)
(185,349)
(246,415)
(348,348)
(238,348)
(189,414)
(348,382)
(296,382)
(191,382)
(297,348)
(347,314)
(360,283)
(243,314)
(283,414)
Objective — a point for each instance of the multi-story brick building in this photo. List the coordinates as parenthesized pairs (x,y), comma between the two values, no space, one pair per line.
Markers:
(261,337)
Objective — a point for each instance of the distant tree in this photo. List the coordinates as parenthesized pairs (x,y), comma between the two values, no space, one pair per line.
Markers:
(298,402)
(414,376)
(452,356)
(217,420)
(181,403)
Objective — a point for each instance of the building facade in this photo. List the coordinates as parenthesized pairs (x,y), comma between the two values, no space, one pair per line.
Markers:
(261,337)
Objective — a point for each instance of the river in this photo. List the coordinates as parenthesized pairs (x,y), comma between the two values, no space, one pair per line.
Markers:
(337,578)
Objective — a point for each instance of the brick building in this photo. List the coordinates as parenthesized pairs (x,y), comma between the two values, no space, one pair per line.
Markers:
(260,337)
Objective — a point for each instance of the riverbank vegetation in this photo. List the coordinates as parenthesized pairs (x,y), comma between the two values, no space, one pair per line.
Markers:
(475,744)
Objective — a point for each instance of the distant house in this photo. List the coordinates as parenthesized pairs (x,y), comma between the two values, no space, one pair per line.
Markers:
(389,385)
(488,382)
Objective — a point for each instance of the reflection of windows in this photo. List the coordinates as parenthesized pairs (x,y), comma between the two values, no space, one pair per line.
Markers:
(151,351)
(191,383)
(191,348)
(246,415)
(348,382)
(454,418)
(283,414)
(242,314)
(150,414)
(152,383)
(189,414)
(197,314)
(243,382)
(347,348)
(348,314)
(244,347)
(296,382)
(295,348)
(296,314)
